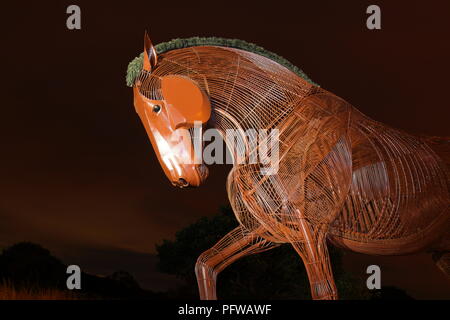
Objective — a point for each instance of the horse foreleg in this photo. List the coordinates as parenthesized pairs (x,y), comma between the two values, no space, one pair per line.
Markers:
(314,253)
(236,244)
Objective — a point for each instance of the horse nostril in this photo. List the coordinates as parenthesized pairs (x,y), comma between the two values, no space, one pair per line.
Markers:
(183,182)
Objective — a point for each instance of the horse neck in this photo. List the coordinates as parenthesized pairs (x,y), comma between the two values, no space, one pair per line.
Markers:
(252,115)
(242,111)
(247,91)
(240,126)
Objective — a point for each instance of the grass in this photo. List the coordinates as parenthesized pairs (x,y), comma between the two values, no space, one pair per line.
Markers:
(9,292)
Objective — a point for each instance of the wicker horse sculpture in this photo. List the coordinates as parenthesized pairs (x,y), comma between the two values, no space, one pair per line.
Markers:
(341,178)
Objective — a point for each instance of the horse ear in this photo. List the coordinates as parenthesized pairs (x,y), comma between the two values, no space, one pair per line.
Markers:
(150,56)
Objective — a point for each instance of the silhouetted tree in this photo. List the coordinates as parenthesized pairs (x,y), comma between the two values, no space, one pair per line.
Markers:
(28,264)
(125,279)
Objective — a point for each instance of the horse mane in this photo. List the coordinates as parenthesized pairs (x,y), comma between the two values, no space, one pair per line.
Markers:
(135,66)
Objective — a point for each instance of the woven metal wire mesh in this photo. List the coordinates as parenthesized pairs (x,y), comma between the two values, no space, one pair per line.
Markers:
(341,176)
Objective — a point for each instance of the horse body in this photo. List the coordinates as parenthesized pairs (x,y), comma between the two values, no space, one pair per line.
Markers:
(396,203)
(341,176)
(398,199)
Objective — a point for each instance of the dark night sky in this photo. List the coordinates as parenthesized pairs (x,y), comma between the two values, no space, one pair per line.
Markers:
(77,171)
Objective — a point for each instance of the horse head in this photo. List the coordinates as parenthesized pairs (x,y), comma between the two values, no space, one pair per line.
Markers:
(169,107)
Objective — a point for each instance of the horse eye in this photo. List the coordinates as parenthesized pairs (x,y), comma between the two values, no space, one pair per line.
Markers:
(156,108)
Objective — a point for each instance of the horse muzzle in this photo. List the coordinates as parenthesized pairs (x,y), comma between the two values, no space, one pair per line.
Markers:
(191,176)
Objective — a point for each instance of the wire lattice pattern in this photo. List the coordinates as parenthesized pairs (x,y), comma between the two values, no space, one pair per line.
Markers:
(342,177)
